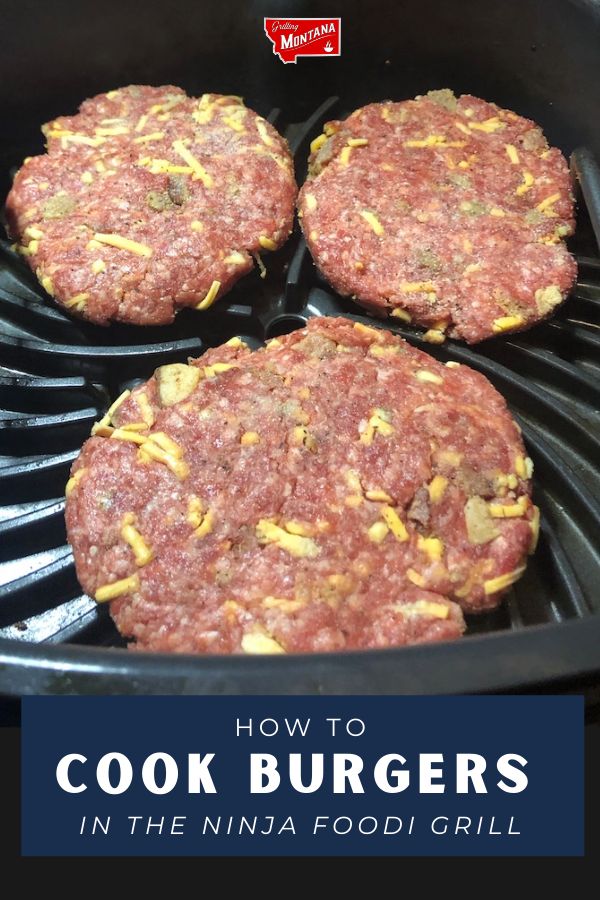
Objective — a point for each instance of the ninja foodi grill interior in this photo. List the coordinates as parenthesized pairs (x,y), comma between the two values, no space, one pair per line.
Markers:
(59,375)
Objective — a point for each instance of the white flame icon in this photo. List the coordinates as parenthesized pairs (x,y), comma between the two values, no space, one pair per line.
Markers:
(328,48)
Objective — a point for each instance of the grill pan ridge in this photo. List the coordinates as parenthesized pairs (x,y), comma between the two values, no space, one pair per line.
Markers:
(58,375)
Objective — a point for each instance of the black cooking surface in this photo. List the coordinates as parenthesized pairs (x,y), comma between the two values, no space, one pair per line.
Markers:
(58,375)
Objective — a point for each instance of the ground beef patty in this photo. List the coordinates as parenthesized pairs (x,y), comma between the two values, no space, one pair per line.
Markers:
(338,489)
(149,200)
(449,213)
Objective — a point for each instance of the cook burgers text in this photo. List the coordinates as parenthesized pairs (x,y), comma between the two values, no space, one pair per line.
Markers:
(339,773)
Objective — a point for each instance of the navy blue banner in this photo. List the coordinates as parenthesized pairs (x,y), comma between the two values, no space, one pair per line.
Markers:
(312,776)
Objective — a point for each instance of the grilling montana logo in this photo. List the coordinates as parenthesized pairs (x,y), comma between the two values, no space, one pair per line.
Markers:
(304,37)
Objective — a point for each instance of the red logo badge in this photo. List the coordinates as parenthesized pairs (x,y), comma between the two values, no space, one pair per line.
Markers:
(304,37)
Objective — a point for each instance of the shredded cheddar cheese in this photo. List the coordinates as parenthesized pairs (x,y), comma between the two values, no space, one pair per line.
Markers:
(77,302)
(423,608)
(534,524)
(205,525)
(507,481)
(285,605)
(141,122)
(511,510)
(451,457)
(155,447)
(378,532)
(257,642)
(301,437)
(383,352)
(311,202)
(416,578)
(526,184)
(436,488)
(264,134)
(203,116)
(164,167)
(379,422)
(198,169)
(154,136)
(107,418)
(217,369)
(489,125)
(401,314)
(210,297)
(548,202)
(296,545)
(395,523)
(267,243)
(146,410)
(235,259)
(432,546)
(195,512)
(302,528)
(353,480)
(167,444)
(141,550)
(512,153)
(74,481)
(66,136)
(123,243)
(507,323)
(317,143)
(372,220)
(235,122)
(378,496)
(117,589)
(373,333)
(411,287)
(235,342)
(109,132)
(134,426)
(433,336)
(427,377)
(434,140)
(122,434)
(31,248)
(525,469)
(462,127)
(520,468)
(353,501)
(502,581)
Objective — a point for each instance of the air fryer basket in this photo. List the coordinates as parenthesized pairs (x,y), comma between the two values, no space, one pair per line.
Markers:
(57,375)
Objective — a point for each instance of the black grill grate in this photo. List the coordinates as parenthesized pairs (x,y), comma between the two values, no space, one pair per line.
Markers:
(57,376)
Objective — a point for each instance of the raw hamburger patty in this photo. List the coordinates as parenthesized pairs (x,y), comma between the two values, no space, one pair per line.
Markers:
(149,200)
(446,212)
(338,489)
